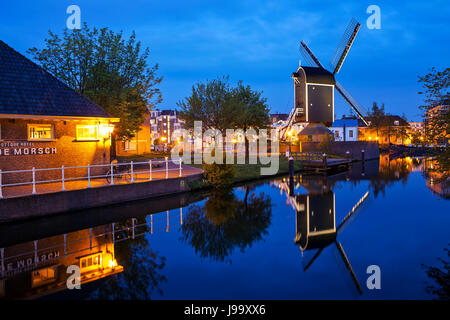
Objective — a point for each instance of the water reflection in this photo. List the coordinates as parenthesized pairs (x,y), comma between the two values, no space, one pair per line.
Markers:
(440,277)
(316,218)
(226,223)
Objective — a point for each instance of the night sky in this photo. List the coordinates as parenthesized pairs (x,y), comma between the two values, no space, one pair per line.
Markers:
(257,42)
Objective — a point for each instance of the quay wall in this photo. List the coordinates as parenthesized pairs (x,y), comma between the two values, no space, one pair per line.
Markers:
(371,149)
(33,206)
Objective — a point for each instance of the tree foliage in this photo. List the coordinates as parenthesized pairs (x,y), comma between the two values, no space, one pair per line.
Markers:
(108,69)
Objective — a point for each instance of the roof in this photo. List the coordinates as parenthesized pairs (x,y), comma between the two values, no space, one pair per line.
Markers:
(169,112)
(347,122)
(316,75)
(27,89)
(274,117)
(390,119)
(315,129)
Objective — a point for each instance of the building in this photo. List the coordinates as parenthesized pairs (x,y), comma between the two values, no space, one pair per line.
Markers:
(436,122)
(38,268)
(164,123)
(141,143)
(345,130)
(417,127)
(392,129)
(46,124)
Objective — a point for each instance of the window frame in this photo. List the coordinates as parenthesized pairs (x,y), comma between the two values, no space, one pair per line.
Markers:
(29,125)
(93,266)
(79,126)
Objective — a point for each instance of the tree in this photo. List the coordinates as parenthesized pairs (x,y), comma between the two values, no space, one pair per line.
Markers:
(108,69)
(377,117)
(211,103)
(220,106)
(437,122)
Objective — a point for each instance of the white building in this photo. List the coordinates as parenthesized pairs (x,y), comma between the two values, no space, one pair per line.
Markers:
(345,130)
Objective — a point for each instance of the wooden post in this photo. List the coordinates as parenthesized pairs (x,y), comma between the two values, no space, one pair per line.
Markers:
(324,161)
(363,155)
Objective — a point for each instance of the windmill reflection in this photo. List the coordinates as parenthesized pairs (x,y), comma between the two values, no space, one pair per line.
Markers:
(316,218)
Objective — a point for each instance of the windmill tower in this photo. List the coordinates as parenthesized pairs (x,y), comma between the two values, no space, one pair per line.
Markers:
(314,85)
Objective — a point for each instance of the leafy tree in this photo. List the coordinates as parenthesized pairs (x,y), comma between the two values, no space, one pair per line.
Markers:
(108,69)
(437,124)
(211,103)
(377,117)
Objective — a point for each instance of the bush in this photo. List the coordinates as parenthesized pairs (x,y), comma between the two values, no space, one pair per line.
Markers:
(219,175)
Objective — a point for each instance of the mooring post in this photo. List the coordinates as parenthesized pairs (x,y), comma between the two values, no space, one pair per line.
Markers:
(291,167)
(324,161)
(34,181)
(347,155)
(363,155)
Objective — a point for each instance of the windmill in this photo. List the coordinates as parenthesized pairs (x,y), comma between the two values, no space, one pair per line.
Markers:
(314,85)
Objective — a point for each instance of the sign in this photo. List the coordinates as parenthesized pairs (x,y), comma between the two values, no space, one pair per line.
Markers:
(24,148)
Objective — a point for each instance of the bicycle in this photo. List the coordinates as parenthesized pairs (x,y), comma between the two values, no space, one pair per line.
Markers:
(120,172)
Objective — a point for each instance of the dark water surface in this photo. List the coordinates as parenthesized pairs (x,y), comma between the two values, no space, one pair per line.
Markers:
(311,238)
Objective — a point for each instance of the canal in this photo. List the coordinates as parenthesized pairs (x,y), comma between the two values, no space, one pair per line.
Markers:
(312,237)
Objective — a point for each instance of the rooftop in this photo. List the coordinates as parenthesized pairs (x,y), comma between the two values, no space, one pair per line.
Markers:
(27,89)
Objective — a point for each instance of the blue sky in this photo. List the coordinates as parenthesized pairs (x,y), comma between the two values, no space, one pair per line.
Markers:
(257,42)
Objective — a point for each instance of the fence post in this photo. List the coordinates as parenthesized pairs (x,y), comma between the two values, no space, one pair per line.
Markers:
(89,175)
(132,172)
(63,188)
(1,195)
(34,181)
(181,174)
(112,173)
(133,227)
(150,165)
(167,168)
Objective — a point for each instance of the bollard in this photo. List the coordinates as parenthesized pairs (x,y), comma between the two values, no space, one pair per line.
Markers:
(347,155)
(362,155)
(324,161)
(291,167)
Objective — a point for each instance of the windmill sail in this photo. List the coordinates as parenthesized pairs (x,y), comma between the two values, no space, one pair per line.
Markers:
(344,45)
(360,111)
(308,55)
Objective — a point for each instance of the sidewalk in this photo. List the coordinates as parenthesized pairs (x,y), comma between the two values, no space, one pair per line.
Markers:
(141,174)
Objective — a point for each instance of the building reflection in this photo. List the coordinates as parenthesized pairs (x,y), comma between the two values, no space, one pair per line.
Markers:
(37,268)
(315,210)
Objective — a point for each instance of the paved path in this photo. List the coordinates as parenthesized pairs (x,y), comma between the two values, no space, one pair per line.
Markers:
(142,174)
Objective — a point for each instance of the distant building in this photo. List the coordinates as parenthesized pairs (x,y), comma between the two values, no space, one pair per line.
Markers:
(159,124)
(417,127)
(345,130)
(276,117)
(394,130)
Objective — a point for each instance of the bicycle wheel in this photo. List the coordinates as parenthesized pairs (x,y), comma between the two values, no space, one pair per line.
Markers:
(108,176)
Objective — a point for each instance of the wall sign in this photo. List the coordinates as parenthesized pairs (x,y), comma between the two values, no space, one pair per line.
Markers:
(24,148)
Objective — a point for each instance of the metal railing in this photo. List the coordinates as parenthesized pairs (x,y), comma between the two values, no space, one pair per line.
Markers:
(307,156)
(127,172)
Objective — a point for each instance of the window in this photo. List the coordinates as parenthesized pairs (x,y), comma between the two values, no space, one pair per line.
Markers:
(91,262)
(350,133)
(130,145)
(43,276)
(40,132)
(336,134)
(396,122)
(87,132)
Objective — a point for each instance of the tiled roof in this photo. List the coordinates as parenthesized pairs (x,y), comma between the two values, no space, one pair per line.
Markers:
(27,89)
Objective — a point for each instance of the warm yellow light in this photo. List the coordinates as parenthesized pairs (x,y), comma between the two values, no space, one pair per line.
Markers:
(370,138)
(163,138)
(376,138)
(112,263)
(234,140)
(105,130)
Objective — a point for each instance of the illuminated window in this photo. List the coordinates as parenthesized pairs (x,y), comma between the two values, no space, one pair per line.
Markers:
(40,132)
(91,262)
(87,132)
(130,145)
(43,276)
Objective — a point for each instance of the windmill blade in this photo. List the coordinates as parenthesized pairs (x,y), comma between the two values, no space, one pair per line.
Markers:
(344,45)
(308,55)
(348,266)
(360,111)
(352,214)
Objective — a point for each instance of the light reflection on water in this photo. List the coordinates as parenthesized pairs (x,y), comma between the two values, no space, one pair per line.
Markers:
(312,237)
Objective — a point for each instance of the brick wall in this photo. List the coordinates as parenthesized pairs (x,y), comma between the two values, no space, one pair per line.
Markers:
(17,153)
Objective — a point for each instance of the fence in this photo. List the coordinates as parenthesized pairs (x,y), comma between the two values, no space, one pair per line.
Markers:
(307,156)
(127,172)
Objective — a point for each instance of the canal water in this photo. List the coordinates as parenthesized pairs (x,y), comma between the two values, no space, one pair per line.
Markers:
(378,231)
